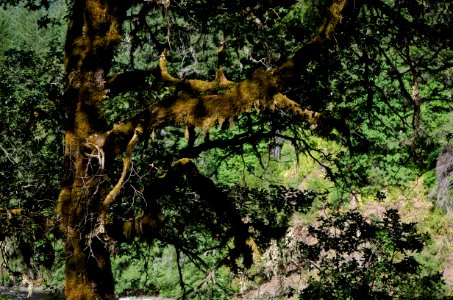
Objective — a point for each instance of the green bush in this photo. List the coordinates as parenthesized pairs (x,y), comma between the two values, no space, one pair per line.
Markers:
(361,259)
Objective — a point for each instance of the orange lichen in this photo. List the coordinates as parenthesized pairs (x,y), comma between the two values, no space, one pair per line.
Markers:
(147,224)
(64,204)
(205,111)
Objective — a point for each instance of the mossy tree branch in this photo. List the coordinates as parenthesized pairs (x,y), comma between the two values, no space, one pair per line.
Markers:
(204,104)
(94,33)
(127,162)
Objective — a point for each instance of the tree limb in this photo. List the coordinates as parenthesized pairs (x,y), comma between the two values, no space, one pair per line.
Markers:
(206,104)
(127,161)
(218,201)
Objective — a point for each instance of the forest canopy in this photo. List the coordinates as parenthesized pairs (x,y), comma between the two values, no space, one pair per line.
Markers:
(138,123)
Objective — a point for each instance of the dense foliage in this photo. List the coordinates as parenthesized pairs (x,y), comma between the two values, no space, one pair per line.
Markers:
(30,125)
(372,259)
(358,94)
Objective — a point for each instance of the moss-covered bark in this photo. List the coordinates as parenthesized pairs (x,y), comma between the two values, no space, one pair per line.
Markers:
(94,31)
(90,147)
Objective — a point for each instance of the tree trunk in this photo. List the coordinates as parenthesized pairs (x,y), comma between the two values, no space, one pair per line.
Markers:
(94,31)
(88,188)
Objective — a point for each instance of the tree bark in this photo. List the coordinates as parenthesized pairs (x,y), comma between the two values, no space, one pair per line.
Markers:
(90,147)
(93,33)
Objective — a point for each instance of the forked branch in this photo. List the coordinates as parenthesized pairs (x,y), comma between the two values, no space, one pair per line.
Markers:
(217,200)
(127,162)
(200,86)
(204,104)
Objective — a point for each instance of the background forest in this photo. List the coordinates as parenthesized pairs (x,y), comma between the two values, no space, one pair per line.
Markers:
(353,201)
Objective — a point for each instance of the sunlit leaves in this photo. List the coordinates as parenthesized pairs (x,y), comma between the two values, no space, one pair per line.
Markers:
(373,259)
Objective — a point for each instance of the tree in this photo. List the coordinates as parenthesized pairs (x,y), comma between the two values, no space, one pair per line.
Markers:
(373,259)
(90,148)
(30,126)
(334,70)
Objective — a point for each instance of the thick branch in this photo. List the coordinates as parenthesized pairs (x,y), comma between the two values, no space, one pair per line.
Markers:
(288,72)
(205,111)
(195,85)
(127,161)
(209,103)
(218,201)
